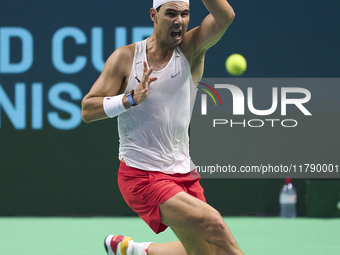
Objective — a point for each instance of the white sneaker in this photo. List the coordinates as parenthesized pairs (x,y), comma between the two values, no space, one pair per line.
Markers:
(116,244)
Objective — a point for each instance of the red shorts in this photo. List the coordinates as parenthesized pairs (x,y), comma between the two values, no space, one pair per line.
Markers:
(143,191)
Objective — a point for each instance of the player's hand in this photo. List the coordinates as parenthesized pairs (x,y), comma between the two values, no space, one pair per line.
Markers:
(141,92)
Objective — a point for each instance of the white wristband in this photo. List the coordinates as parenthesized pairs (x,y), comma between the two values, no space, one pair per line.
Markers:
(113,106)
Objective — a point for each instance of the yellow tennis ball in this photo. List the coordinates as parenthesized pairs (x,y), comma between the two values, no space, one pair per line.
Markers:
(236,64)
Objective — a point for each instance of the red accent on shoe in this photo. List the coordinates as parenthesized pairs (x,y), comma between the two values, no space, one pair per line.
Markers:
(115,241)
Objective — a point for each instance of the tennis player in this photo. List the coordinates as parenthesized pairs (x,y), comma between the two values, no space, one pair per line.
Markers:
(149,86)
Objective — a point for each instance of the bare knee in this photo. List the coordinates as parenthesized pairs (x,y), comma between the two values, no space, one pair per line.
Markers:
(216,232)
(212,226)
(185,214)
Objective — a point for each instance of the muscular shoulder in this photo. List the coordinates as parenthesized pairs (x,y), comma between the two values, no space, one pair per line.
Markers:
(121,59)
(116,70)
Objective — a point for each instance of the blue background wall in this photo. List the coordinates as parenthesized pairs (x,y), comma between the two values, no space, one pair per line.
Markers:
(53,164)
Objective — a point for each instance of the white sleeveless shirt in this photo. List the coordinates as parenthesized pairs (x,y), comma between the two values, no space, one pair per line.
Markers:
(153,135)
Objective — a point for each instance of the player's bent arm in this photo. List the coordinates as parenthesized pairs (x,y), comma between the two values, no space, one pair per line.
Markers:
(111,82)
(199,39)
(221,10)
(212,28)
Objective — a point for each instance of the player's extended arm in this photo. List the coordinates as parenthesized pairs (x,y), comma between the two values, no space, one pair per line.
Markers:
(108,84)
(111,83)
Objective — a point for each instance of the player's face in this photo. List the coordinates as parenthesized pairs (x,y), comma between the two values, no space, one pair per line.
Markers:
(172,22)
